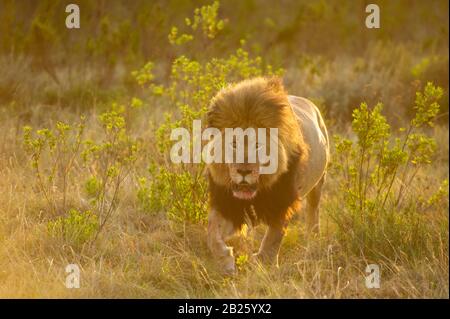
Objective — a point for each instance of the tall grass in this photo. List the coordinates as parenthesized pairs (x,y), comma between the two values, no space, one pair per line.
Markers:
(100,192)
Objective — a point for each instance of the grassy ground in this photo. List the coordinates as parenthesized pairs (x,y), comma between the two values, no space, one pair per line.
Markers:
(143,252)
(147,255)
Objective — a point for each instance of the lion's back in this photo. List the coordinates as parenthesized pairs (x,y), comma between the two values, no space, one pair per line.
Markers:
(315,136)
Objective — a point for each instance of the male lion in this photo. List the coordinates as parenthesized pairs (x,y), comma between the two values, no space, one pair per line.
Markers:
(239,194)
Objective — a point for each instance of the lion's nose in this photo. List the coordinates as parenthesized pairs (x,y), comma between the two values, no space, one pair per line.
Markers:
(244,172)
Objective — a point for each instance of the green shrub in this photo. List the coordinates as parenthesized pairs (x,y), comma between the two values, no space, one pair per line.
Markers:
(53,155)
(109,162)
(182,195)
(380,216)
(76,228)
(205,18)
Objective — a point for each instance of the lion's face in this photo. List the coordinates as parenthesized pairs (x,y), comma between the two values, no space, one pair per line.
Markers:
(255,104)
(245,178)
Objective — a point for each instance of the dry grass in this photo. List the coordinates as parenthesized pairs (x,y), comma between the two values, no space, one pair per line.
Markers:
(328,57)
(147,256)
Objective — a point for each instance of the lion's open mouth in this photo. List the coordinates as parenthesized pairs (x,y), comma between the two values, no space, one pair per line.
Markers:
(244,191)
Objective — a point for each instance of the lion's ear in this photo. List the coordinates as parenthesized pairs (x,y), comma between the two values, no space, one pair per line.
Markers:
(275,83)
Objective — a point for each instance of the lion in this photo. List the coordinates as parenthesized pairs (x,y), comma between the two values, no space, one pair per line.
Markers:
(238,193)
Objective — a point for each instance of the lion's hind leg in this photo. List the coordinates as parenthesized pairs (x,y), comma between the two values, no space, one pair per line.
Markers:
(312,207)
(270,245)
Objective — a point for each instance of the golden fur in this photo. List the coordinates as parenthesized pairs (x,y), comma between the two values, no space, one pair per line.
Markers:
(238,193)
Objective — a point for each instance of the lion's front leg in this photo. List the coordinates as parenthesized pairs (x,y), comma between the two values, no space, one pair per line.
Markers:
(219,230)
(270,245)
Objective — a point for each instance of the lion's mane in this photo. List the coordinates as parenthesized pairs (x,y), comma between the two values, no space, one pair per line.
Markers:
(258,103)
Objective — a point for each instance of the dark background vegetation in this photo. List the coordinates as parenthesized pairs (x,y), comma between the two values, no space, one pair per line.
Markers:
(328,53)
